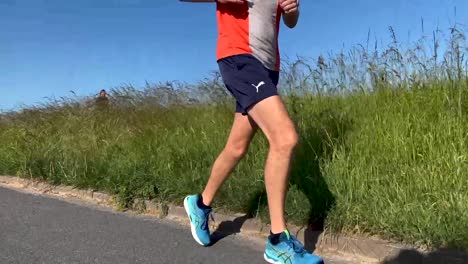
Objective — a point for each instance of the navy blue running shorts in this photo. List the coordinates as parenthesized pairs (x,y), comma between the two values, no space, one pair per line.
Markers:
(248,80)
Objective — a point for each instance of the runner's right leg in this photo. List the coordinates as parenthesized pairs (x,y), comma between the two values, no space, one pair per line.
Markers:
(271,116)
(273,119)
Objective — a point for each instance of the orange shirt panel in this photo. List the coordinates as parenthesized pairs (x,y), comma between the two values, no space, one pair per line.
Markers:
(233,26)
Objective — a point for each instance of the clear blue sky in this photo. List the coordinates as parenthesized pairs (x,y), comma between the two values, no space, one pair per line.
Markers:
(50,47)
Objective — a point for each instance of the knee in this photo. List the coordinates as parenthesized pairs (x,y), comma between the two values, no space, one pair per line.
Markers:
(285,142)
(236,151)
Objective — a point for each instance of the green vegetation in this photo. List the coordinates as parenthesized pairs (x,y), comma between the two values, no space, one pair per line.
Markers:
(384,143)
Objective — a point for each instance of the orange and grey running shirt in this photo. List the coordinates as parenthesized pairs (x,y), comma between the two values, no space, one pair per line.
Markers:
(250,28)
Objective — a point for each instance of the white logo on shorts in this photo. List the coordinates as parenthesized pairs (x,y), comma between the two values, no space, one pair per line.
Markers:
(258,85)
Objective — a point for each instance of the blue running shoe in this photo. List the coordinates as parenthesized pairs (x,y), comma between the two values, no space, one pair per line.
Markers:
(289,251)
(198,220)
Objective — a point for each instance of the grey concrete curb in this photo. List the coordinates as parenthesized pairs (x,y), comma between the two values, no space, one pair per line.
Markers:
(366,249)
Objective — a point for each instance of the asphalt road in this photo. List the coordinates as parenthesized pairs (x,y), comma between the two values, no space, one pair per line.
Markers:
(37,229)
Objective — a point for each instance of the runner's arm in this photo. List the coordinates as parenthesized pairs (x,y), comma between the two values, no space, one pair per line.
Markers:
(290,12)
(291,19)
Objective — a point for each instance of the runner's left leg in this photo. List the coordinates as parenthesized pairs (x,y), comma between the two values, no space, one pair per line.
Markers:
(242,132)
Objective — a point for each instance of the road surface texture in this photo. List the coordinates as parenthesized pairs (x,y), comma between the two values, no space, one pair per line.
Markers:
(37,229)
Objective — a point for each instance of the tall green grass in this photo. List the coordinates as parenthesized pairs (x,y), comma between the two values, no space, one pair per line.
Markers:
(383,146)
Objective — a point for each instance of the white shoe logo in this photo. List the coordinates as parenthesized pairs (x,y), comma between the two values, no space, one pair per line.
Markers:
(258,85)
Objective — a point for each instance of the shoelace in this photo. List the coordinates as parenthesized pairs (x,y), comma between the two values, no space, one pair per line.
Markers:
(296,246)
(208,215)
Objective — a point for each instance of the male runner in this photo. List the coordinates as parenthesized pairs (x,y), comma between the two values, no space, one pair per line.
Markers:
(248,59)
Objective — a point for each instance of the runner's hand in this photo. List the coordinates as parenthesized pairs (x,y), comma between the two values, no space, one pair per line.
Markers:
(289,6)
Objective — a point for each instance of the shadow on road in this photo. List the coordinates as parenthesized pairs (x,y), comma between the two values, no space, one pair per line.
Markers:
(311,238)
(441,256)
(325,133)
(228,228)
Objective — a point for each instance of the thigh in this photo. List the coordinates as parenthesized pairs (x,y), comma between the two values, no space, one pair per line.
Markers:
(272,117)
(242,131)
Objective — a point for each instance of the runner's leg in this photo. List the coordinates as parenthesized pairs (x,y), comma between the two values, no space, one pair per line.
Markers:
(242,132)
(273,119)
